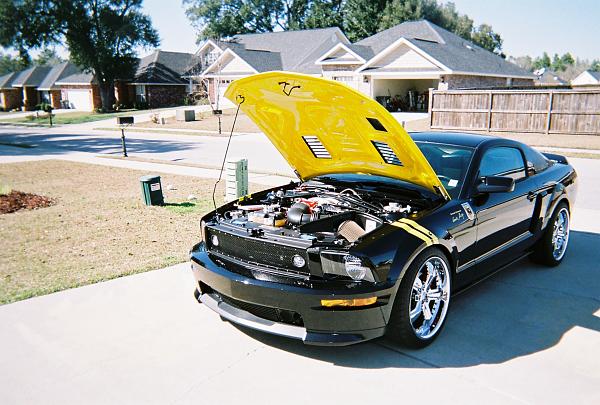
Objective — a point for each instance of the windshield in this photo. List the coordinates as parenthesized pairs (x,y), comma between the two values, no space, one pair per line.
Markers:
(450,163)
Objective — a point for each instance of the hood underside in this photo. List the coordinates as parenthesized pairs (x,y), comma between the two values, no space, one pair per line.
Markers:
(323,127)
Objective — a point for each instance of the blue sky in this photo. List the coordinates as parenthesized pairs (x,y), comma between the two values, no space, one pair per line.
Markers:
(528,27)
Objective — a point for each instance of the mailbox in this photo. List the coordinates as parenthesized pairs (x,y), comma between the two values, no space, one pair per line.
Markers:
(125,120)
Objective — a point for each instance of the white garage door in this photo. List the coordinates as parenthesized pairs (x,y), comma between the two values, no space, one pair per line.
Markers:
(80,99)
(223,101)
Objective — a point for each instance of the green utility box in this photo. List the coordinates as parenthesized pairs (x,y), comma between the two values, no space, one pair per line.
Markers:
(152,190)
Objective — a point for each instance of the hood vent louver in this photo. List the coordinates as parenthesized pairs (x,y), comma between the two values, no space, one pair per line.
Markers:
(387,153)
(316,147)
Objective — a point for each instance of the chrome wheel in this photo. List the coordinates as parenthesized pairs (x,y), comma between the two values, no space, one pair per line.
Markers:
(429,298)
(560,234)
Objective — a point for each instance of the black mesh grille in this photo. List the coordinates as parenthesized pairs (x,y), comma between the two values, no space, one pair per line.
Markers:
(256,251)
(272,314)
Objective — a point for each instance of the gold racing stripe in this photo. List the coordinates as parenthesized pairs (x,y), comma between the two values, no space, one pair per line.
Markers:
(413,232)
(421,228)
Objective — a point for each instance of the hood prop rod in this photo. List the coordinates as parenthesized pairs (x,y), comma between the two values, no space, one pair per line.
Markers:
(242,98)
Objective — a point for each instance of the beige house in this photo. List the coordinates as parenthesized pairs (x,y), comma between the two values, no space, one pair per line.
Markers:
(397,66)
(587,78)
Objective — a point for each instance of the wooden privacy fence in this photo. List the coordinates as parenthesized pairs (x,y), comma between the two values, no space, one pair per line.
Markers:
(543,111)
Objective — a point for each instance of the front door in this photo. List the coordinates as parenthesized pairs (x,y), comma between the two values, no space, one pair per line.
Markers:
(503,219)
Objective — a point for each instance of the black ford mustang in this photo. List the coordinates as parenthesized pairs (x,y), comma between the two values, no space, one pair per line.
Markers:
(382,227)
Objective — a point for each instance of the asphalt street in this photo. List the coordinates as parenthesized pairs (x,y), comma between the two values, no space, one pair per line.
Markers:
(526,335)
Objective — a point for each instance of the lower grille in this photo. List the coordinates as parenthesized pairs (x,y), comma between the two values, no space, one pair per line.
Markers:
(272,314)
(257,251)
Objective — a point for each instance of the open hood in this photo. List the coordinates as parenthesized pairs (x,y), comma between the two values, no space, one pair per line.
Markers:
(323,127)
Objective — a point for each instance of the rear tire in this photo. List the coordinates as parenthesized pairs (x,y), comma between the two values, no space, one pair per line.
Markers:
(551,248)
(422,301)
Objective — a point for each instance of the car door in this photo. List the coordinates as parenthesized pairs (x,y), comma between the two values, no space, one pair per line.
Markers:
(503,219)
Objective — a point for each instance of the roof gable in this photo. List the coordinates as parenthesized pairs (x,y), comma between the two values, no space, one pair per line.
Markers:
(295,50)
(445,49)
(31,77)
(162,67)
(594,74)
(402,55)
(230,63)
(57,73)
(340,54)
(7,80)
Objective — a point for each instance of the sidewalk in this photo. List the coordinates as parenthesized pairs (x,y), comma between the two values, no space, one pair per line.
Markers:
(9,154)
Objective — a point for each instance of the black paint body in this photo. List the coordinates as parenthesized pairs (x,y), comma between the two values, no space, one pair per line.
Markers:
(502,228)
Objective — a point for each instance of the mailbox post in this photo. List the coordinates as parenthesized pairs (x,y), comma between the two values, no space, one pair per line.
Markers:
(124,122)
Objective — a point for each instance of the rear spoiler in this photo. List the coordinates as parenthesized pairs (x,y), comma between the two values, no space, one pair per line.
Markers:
(557,158)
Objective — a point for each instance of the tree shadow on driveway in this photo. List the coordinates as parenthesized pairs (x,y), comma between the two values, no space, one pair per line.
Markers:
(522,310)
(59,144)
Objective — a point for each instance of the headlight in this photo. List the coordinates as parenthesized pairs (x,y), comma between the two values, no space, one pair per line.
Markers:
(344,264)
(355,268)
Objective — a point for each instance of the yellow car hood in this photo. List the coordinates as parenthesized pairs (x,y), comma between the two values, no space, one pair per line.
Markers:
(322,127)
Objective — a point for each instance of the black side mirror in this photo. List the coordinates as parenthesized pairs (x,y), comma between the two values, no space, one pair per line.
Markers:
(496,184)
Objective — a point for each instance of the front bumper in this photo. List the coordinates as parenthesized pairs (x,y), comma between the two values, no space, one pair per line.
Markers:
(220,290)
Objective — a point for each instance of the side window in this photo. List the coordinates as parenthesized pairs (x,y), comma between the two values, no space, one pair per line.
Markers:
(502,161)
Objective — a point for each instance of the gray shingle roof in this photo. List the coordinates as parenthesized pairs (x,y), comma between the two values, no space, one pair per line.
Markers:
(31,77)
(452,51)
(77,78)
(549,77)
(162,67)
(595,75)
(295,50)
(260,60)
(58,72)
(293,46)
(6,81)
(363,51)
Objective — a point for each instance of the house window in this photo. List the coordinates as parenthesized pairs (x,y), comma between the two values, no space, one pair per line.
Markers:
(140,93)
(45,96)
(509,81)
(210,58)
(343,79)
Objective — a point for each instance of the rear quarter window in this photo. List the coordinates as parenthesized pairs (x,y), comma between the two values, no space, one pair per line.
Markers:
(536,160)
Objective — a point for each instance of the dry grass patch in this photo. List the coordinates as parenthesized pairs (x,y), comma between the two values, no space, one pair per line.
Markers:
(98,228)
(206,121)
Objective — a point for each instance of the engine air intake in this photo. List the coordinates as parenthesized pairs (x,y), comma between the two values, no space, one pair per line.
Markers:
(387,153)
(316,147)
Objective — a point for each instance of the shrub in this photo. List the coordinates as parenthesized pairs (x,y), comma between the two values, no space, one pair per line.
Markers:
(43,106)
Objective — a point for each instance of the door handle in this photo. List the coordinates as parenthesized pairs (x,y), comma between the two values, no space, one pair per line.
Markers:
(531,195)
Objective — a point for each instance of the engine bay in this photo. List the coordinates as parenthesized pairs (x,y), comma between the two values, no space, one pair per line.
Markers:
(315,214)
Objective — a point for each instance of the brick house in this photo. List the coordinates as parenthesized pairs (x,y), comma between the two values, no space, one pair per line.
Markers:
(49,91)
(80,91)
(399,64)
(158,81)
(28,81)
(10,97)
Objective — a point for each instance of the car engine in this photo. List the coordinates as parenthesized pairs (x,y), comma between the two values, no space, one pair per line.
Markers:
(317,214)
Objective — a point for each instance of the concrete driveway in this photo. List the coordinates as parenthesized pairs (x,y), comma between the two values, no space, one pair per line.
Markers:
(527,335)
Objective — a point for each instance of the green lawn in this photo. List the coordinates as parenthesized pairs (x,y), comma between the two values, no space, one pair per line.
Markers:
(66,118)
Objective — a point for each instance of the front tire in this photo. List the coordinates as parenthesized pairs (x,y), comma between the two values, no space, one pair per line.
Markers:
(551,248)
(422,301)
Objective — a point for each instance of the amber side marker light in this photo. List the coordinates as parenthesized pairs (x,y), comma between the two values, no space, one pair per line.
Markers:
(356,302)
